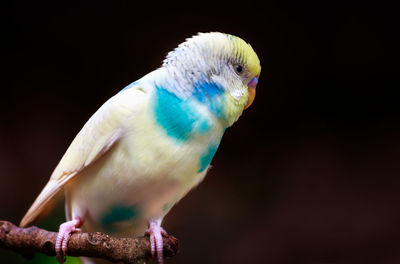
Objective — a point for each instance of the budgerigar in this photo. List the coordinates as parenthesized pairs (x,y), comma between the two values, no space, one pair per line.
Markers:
(152,142)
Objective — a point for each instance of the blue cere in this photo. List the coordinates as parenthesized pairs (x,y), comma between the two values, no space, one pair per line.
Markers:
(179,118)
(119,213)
(213,95)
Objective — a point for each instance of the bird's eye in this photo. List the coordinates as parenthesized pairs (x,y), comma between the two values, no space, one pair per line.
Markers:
(239,68)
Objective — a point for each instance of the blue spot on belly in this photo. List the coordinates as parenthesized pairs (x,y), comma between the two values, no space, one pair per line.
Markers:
(180,118)
(119,213)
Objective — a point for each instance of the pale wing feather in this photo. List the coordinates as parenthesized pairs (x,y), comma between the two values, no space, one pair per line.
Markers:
(97,136)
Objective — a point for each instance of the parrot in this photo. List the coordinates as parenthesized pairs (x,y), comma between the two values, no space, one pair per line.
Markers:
(152,142)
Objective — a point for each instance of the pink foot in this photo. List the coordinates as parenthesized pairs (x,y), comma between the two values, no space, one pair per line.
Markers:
(63,236)
(156,241)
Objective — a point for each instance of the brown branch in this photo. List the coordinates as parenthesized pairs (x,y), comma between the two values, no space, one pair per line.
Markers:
(27,241)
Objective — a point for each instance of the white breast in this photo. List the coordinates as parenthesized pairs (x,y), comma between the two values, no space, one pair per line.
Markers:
(140,177)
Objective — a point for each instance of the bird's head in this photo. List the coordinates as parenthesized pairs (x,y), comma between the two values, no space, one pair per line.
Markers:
(219,70)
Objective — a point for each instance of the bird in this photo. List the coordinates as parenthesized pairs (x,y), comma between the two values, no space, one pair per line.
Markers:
(152,142)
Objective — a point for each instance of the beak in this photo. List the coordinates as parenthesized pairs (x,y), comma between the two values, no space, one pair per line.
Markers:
(252,91)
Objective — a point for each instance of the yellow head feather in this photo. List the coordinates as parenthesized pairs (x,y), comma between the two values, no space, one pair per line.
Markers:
(248,55)
(213,58)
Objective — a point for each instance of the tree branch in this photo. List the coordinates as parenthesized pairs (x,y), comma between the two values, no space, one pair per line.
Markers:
(27,241)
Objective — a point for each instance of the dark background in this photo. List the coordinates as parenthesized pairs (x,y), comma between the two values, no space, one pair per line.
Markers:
(309,174)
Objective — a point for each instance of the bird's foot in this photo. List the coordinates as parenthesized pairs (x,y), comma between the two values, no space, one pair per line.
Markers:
(156,233)
(65,231)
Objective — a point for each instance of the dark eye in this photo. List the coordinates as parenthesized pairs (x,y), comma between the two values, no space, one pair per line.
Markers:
(239,68)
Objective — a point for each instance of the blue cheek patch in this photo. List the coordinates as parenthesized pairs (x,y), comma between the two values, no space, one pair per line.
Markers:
(119,213)
(179,118)
(205,91)
(213,96)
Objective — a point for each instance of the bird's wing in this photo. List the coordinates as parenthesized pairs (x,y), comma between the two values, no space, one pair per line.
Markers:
(97,136)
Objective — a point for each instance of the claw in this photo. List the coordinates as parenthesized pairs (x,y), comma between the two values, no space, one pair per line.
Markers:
(156,233)
(64,233)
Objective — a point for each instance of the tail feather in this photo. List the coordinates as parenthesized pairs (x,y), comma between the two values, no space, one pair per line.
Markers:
(42,204)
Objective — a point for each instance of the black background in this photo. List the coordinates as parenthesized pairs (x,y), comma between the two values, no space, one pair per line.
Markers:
(309,174)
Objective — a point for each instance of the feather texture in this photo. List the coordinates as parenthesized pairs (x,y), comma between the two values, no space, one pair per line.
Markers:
(98,135)
(152,142)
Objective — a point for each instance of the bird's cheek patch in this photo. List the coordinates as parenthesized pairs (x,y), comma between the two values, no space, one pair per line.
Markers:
(211,95)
